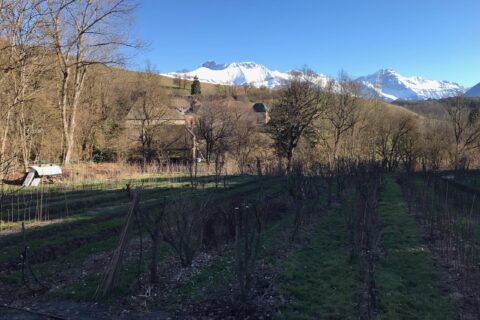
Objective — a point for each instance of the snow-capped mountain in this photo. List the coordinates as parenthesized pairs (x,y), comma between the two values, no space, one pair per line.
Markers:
(387,83)
(237,73)
(391,86)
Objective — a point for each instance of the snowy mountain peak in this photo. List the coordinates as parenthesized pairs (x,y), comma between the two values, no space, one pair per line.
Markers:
(235,73)
(387,83)
(239,73)
(390,86)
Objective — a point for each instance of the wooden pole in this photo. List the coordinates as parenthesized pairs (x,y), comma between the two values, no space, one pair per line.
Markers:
(113,268)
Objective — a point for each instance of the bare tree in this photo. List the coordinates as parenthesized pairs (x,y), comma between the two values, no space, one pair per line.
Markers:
(409,149)
(245,143)
(390,129)
(182,227)
(82,33)
(23,65)
(214,127)
(464,122)
(148,115)
(301,102)
(341,115)
(433,144)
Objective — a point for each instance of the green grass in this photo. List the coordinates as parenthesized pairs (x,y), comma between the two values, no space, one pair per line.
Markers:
(89,234)
(79,231)
(104,202)
(320,282)
(69,239)
(408,282)
(55,204)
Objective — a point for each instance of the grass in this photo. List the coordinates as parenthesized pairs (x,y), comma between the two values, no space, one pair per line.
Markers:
(408,281)
(77,232)
(93,205)
(320,281)
(56,204)
(55,246)
(45,249)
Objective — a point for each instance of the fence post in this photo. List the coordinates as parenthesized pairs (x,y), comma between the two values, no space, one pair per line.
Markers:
(113,268)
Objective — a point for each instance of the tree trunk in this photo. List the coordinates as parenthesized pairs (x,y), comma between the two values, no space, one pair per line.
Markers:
(24,137)
(4,143)
(289,161)
(71,123)
(62,103)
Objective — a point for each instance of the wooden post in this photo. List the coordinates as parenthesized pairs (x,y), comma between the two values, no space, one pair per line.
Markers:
(113,268)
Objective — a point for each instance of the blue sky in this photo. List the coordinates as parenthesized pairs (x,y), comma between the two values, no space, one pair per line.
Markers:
(436,39)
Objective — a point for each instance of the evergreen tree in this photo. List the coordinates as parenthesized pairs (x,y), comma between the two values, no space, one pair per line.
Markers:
(196,89)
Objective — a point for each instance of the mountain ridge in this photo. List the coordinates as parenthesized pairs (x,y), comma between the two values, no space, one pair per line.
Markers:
(391,86)
(386,83)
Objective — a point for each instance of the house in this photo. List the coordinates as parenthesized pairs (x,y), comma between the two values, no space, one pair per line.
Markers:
(160,129)
(172,120)
(257,113)
(159,114)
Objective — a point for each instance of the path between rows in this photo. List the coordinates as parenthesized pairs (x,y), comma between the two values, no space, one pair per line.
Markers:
(321,282)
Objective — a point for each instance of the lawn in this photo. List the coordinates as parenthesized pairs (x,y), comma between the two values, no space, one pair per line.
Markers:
(408,281)
(320,281)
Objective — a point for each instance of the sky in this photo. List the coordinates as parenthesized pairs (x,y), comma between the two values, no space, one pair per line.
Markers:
(435,39)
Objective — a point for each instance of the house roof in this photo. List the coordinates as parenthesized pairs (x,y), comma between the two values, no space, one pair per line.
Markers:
(180,109)
(161,112)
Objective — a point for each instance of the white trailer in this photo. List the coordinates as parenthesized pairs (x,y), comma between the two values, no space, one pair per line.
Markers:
(35,174)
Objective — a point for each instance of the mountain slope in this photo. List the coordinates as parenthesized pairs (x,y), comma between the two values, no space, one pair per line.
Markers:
(391,86)
(238,73)
(473,91)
